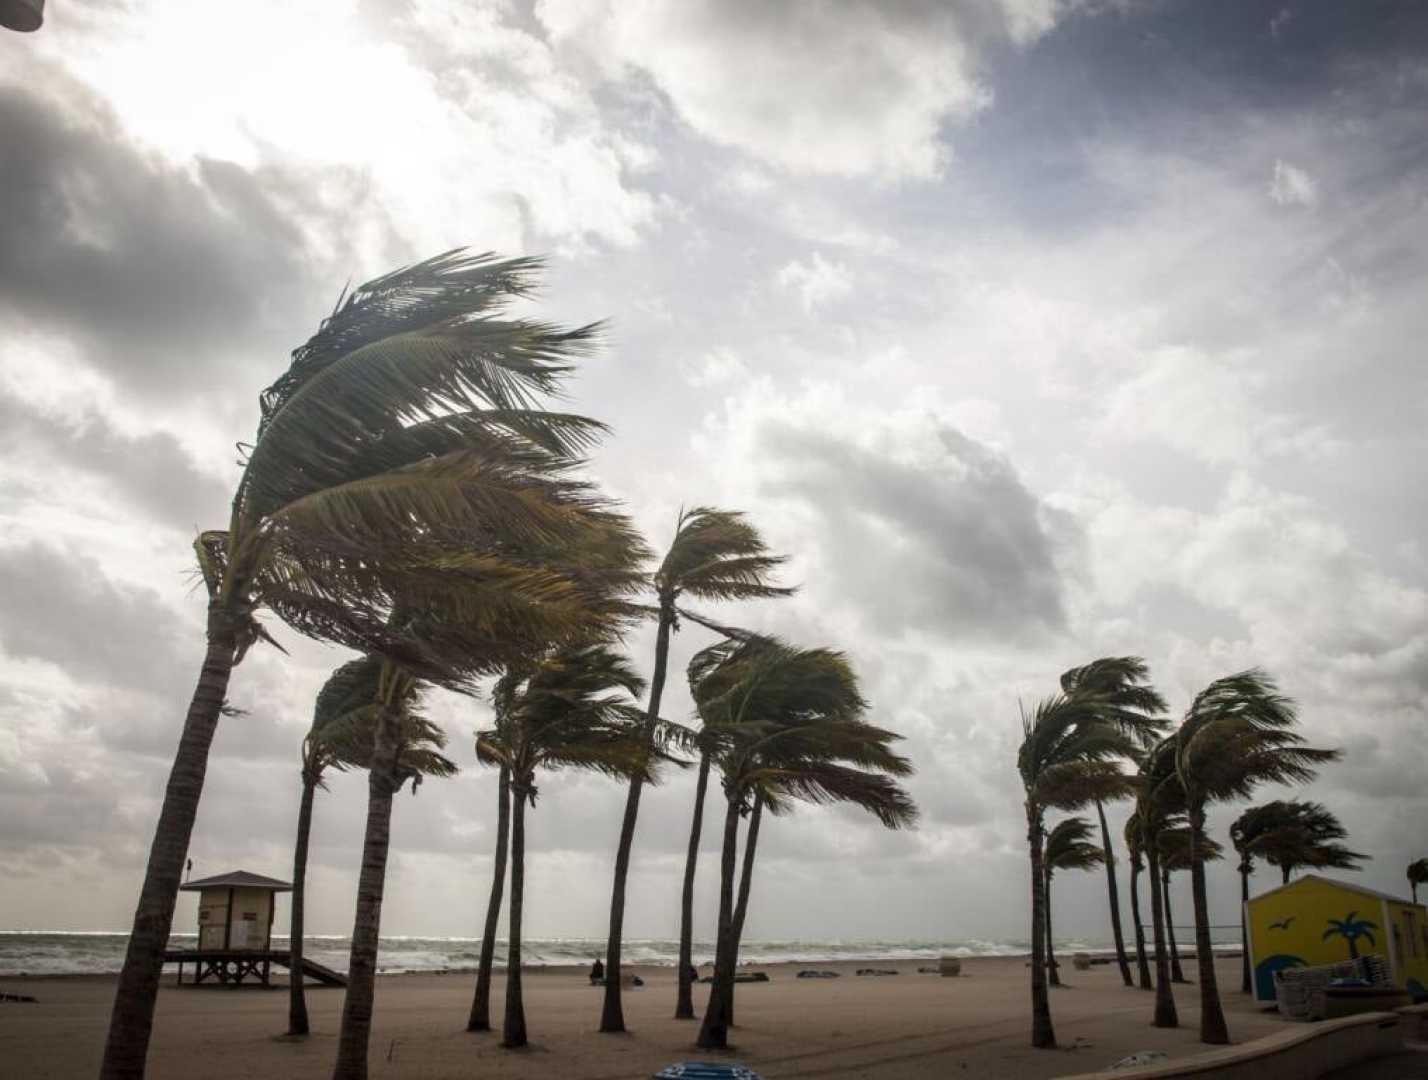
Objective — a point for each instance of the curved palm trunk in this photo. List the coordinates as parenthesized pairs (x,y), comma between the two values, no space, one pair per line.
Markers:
(1246,983)
(1142,965)
(297,999)
(1177,973)
(382,783)
(1043,1035)
(1053,976)
(480,1018)
(1114,894)
(132,1018)
(612,1013)
(684,999)
(714,1031)
(513,1030)
(741,907)
(1213,1029)
(1165,1015)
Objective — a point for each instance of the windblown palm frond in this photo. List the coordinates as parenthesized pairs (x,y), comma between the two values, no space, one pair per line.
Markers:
(718,555)
(1069,846)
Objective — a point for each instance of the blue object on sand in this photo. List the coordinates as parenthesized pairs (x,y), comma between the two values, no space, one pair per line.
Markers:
(706,1070)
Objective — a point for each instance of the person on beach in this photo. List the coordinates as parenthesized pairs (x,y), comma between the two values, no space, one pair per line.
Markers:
(597,973)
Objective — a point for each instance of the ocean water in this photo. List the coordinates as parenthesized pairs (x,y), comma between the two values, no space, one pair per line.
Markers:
(42,952)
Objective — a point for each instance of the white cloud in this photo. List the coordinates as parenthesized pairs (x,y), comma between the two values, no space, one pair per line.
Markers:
(1292,186)
(817,282)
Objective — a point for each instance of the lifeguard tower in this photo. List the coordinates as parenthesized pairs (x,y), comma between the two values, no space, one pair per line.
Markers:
(235,932)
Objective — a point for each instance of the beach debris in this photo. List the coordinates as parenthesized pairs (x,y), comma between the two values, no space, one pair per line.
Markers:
(706,1070)
(1144,1057)
(811,974)
(751,977)
(876,971)
(19,998)
(925,970)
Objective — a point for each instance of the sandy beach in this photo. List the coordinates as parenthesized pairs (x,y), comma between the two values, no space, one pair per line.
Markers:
(891,1027)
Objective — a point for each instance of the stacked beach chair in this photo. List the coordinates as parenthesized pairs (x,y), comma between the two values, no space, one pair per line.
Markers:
(1302,992)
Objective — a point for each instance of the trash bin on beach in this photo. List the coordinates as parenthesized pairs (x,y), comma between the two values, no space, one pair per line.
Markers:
(1081,961)
(948,966)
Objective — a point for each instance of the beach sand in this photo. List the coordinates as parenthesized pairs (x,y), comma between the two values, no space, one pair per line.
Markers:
(893,1027)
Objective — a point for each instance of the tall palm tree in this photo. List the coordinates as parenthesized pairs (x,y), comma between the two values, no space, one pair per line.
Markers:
(1067,848)
(1417,875)
(408,416)
(1137,865)
(480,1016)
(715,555)
(331,743)
(1123,680)
(572,708)
(1237,733)
(405,745)
(793,731)
(1097,723)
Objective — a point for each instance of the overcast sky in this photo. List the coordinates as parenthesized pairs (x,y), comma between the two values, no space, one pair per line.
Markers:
(1033,330)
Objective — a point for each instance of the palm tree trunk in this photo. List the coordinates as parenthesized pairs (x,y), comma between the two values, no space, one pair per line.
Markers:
(714,1031)
(741,907)
(1052,975)
(1213,1029)
(132,1018)
(297,999)
(1177,973)
(382,783)
(1165,1015)
(612,1013)
(684,1001)
(1246,985)
(1043,1035)
(480,1018)
(513,1030)
(1284,873)
(1114,894)
(1142,965)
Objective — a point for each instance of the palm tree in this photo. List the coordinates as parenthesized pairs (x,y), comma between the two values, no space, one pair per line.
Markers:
(405,745)
(715,555)
(1417,875)
(570,709)
(1287,834)
(331,743)
(791,729)
(1158,798)
(1137,865)
(1066,849)
(408,416)
(1095,723)
(480,1016)
(1351,929)
(1237,733)
(1175,843)
(1124,681)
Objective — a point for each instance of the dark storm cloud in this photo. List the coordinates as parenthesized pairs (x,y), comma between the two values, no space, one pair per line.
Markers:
(151,472)
(167,277)
(958,546)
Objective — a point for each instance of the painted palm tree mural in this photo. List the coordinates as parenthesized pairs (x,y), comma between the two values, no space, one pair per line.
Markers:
(1351,929)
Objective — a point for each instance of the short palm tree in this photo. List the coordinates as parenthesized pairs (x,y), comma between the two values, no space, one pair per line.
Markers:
(404,745)
(1137,867)
(715,555)
(1175,845)
(479,1018)
(1351,929)
(791,729)
(1159,797)
(1417,875)
(1287,834)
(1067,848)
(331,743)
(1123,680)
(573,708)
(1237,733)
(409,416)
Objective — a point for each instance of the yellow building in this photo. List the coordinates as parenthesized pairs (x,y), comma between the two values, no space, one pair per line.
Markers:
(1316,920)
